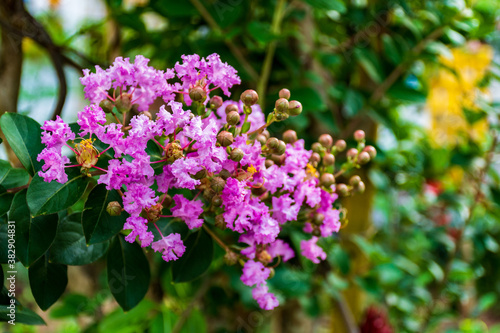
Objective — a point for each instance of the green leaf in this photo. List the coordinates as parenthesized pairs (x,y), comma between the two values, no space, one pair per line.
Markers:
(33,235)
(23,314)
(24,136)
(399,91)
(246,127)
(474,116)
(98,225)
(46,198)
(353,102)
(197,258)
(12,177)
(69,247)
(261,32)
(5,200)
(128,272)
(369,61)
(336,5)
(47,281)
(72,305)
(391,51)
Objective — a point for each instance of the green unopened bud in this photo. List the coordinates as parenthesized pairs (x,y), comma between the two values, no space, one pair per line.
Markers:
(355,180)
(114,208)
(166,200)
(281,148)
(281,105)
(217,201)
(230,258)
(269,163)
(123,103)
(262,139)
(342,190)
(200,174)
(266,134)
(231,107)
(225,138)
(217,184)
(106,105)
(284,93)
(294,108)
(272,143)
(315,158)
(290,136)
(147,114)
(197,94)
(359,135)
(220,222)
(326,140)
(340,145)
(318,219)
(371,151)
(328,159)
(215,102)
(327,180)
(281,116)
(278,159)
(249,97)
(351,153)
(317,147)
(233,118)
(224,174)
(363,157)
(208,194)
(236,155)
(360,188)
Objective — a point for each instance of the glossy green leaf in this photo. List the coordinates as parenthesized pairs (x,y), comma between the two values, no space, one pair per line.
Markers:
(23,314)
(33,235)
(246,127)
(24,137)
(98,225)
(128,272)
(5,200)
(336,5)
(197,258)
(47,281)
(46,198)
(70,248)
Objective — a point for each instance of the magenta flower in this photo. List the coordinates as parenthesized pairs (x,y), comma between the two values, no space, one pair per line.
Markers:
(312,251)
(171,246)
(282,249)
(264,298)
(254,273)
(56,133)
(139,228)
(189,211)
(91,120)
(53,169)
(138,197)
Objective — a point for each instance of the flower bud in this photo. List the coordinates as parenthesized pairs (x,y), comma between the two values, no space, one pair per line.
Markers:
(326,140)
(271,273)
(154,212)
(340,145)
(290,136)
(327,180)
(269,163)
(217,201)
(215,102)
(278,159)
(363,157)
(217,184)
(315,158)
(316,147)
(166,200)
(233,118)
(147,114)
(280,116)
(224,174)
(360,188)
(281,148)
(284,93)
(200,174)
(231,107)
(371,151)
(236,155)
(316,232)
(328,159)
(355,180)
(220,222)
(106,105)
(230,258)
(259,190)
(225,138)
(272,143)
(351,153)
(262,139)
(281,105)
(294,108)
(266,134)
(123,103)
(249,97)
(318,219)
(208,194)
(173,152)
(114,208)
(264,257)
(197,94)
(359,135)
(342,190)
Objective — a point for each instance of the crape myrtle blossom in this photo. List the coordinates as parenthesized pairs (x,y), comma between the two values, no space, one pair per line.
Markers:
(245,181)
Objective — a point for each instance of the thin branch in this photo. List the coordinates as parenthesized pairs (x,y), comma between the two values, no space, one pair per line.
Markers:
(234,50)
(217,239)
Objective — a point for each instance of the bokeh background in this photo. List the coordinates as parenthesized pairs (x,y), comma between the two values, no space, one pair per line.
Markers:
(421,250)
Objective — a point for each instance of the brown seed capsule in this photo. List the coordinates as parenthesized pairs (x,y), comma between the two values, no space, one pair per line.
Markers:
(154,212)
(360,188)
(326,140)
(262,139)
(327,180)
(371,151)
(230,258)
(217,201)
(225,138)
(266,134)
(316,147)
(269,163)
(208,194)
(217,184)
(106,105)
(166,200)
(237,154)
(278,159)
(359,135)
(200,174)
(284,93)
(123,103)
(281,105)
(114,208)
(197,94)
(215,102)
(351,153)
(233,118)
(340,145)
(355,180)
(328,159)
(272,143)
(231,107)
(281,148)
(342,190)
(363,157)
(224,174)
(259,190)
(249,97)
(219,222)
(294,108)
(318,219)
(290,136)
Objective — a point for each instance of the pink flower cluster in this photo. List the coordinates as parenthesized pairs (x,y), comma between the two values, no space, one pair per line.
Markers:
(190,147)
